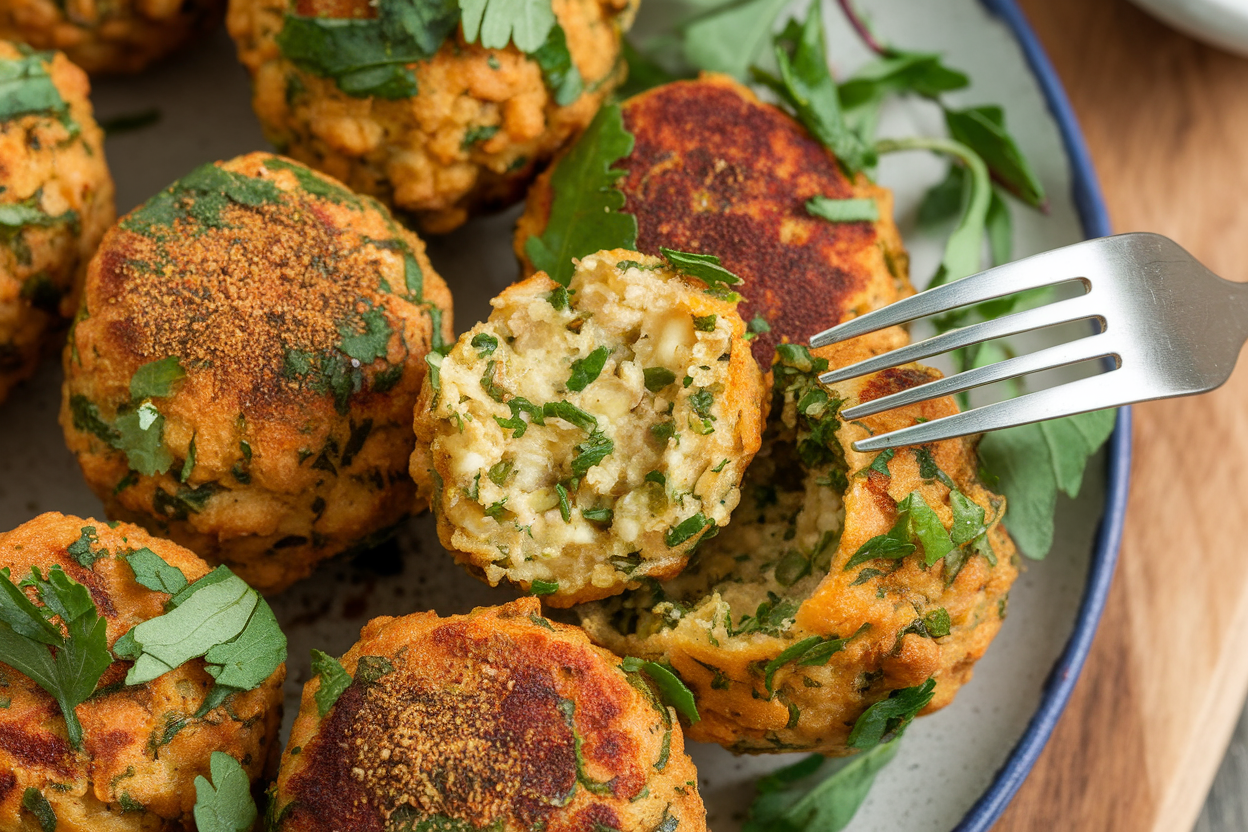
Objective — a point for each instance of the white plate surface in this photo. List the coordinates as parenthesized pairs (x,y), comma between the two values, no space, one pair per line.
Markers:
(947,760)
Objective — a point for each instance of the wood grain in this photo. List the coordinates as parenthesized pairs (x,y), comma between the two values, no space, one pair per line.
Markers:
(1167,123)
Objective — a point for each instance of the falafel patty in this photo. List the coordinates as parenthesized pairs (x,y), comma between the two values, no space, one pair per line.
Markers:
(499,719)
(243,368)
(56,200)
(419,116)
(713,170)
(844,579)
(113,36)
(132,763)
(584,438)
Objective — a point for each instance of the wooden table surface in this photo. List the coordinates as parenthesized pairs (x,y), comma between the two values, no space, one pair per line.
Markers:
(1146,730)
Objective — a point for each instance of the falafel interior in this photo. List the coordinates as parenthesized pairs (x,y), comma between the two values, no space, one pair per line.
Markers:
(124,664)
(500,719)
(588,435)
(242,371)
(56,200)
(845,580)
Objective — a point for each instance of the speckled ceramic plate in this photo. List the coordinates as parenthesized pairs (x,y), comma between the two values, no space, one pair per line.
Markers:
(956,769)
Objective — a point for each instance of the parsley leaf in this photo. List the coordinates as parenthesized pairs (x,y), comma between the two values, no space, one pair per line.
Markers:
(793,799)
(656,378)
(673,690)
(371,344)
(885,720)
(156,379)
(843,210)
(923,524)
(558,71)
(224,804)
(687,528)
(334,680)
(68,665)
(704,267)
(571,414)
(585,370)
(34,802)
(484,343)
(539,587)
(520,405)
(591,452)
(26,88)
(140,435)
(585,213)
(151,571)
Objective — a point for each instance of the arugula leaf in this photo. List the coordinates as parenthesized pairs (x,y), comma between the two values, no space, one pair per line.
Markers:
(585,214)
(370,57)
(806,86)
(153,572)
(498,22)
(68,666)
(704,267)
(34,802)
(843,210)
(982,129)
(885,720)
(586,370)
(791,799)
(156,379)
(671,688)
(224,804)
(897,72)
(334,680)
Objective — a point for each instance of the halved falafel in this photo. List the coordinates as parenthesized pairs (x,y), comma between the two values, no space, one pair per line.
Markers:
(132,763)
(243,368)
(586,437)
(499,719)
(418,116)
(56,200)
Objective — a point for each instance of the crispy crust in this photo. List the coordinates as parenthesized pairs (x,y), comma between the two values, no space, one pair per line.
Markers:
(645,315)
(480,724)
(125,751)
(118,36)
(419,154)
(42,266)
(716,171)
(301,322)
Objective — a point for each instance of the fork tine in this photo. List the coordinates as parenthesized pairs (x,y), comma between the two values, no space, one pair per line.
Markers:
(1112,389)
(1062,355)
(1074,309)
(1022,275)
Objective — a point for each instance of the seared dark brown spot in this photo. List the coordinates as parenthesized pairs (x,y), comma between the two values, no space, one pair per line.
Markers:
(715,173)
(887,382)
(7,781)
(35,749)
(106,745)
(595,818)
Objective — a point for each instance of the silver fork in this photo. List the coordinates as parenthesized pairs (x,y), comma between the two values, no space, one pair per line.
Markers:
(1171,327)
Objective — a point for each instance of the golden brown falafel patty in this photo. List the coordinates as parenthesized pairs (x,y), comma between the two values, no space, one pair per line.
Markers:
(784,642)
(586,437)
(113,36)
(243,369)
(56,200)
(143,745)
(499,719)
(716,171)
(466,133)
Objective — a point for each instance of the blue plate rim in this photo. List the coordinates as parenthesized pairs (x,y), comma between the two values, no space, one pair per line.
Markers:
(1094,217)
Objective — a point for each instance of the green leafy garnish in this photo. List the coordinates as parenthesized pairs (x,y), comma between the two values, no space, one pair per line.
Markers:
(657,378)
(923,524)
(704,267)
(66,665)
(571,414)
(224,804)
(885,720)
(371,344)
(585,370)
(793,798)
(334,680)
(515,423)
(687,528)
(880,463)
(151,571)
(82,549)
(585,212)
(484,343)
(671,688)
(156,379)
(809,652)
(140,434)
(199,198)
(540,587)
(34,802)
(26,88)
(843,210)
(527,23)
(591,452)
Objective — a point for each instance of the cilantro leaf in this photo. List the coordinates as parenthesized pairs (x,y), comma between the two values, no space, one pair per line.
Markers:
(885,720)
(591,452)
(562,77)
(151,570)
(81,549)
(792,799)
(516,424)
(156,379)
(704,267)
(526,23)
(843,210)
(585,213)
(28,639)
(249,659)
(673,690)
(224,804)
(140,434)
(371,344)
(585,370)
(571,414)
(334,680)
